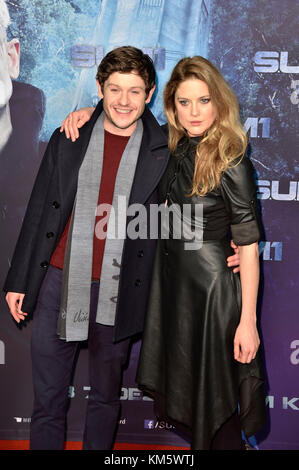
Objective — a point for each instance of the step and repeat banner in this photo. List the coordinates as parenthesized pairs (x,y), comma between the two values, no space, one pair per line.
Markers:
(49,53)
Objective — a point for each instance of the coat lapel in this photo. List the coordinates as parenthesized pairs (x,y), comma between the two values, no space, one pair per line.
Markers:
(152,160)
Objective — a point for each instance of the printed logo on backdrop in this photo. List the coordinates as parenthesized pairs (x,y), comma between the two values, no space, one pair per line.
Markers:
(273,61)
(294,357)
(270,251)
(2,353)
(295,94)
(87,56)
(127,393)
(153,424)
(20,420)
(287,403)
(258,127)
(278,62)
(284,403)
(277,190)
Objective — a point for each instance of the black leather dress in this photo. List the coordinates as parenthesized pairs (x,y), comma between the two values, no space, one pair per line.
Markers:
(186,359)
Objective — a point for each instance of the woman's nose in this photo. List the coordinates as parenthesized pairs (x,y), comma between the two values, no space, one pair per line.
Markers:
(194,109)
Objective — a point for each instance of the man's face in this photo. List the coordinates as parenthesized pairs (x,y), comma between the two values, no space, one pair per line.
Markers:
(124,100)
(9,68)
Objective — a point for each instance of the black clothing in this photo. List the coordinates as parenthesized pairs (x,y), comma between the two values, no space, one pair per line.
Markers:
(231,205)
(186,359)
(19,162)
(50,206)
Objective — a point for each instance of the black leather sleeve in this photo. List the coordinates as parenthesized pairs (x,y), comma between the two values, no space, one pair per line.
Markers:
(240,196)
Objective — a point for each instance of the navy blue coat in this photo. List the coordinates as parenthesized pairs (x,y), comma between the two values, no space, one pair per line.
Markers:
(49,208)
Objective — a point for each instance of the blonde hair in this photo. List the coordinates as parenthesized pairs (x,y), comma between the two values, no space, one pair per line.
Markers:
(225,141)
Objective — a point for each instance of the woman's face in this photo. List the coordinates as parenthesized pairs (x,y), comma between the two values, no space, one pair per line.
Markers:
(194,108)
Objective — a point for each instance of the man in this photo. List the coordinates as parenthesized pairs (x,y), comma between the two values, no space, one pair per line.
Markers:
(19,140)
(58,261)
(10,63)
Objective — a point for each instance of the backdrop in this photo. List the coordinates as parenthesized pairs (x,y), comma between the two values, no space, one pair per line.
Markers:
(255,45)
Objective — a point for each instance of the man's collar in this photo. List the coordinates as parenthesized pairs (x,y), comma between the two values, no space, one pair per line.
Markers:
(156,137)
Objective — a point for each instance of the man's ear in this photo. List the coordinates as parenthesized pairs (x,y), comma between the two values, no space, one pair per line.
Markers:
(151,92)
(13,52)
(100,93)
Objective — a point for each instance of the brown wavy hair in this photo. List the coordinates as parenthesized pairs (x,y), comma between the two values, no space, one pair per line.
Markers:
(126,59)
(225,141)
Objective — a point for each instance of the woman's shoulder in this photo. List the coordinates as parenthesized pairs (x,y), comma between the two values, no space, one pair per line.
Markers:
(241,167)
(239,177)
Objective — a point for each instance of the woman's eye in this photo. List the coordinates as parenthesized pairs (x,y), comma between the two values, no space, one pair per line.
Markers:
(205,100)
(183,102)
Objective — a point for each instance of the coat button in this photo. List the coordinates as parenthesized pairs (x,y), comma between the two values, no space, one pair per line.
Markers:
(50,234)
(44,264)
(137,282)
(140,253)
(165,252)
(55,204)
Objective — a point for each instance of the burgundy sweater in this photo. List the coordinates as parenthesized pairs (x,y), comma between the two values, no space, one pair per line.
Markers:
(114,146)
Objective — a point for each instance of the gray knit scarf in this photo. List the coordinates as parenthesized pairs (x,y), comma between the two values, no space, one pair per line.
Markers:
(73,319)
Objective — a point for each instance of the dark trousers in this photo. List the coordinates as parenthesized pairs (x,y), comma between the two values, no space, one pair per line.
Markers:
(52,365)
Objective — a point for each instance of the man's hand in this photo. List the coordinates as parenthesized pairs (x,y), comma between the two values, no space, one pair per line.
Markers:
(75,121)
(234,260)
(15,301)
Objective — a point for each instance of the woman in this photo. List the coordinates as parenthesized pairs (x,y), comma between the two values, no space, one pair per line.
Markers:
(199,357)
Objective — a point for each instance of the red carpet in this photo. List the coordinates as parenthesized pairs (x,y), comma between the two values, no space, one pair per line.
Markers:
(24,445)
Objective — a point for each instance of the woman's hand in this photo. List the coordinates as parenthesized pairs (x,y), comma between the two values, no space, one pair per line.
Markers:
(75,121)
(246,341)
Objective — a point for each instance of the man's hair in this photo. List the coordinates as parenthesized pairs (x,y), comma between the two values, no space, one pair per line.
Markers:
(4,16)
(127,59)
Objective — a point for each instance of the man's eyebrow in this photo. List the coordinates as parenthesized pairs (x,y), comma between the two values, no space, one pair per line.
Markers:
(118,86)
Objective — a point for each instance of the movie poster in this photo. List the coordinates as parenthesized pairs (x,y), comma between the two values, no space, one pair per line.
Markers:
(49,52)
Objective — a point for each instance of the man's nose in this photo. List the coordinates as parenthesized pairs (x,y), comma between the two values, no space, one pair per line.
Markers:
(124,98)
